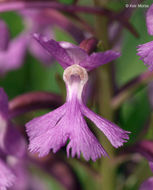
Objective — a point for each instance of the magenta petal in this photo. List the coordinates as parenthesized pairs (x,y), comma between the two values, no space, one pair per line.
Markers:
(11,142)
(7,178)
(81,138)
(149,19)
(96,59)
(83,141)
(54,48)
(151,165)
(76,53)
(25,180)
(20,169)
(52,131)
(8,59)
(14,143)
(147,185)
(115,135)
(40,53)
(4,36)
(40,125)
(53,139)
(3,103)
(44,133)
(145,51)
(68,54)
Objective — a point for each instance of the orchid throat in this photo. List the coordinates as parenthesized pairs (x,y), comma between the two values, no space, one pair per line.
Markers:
(75,78)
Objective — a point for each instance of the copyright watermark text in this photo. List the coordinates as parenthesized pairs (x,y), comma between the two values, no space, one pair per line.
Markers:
(136,5)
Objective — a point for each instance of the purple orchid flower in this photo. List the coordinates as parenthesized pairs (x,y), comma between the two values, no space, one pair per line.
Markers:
(5,36)
(43,21)
(148,184)
(7,177)
(19,167)
(11,143)
(36,21)
(145,51)
(52,130)
(149,20)
(10,138)
(12,57)
(12,53)
(9,50)
(24,179)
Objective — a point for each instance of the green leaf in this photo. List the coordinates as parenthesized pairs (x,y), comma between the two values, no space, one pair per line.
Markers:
(134,114)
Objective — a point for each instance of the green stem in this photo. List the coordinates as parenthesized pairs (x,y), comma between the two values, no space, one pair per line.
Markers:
(107,168)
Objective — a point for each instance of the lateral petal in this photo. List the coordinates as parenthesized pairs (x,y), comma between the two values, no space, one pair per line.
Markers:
(115,135)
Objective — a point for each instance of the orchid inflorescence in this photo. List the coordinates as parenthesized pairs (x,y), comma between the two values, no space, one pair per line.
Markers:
(70,124)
